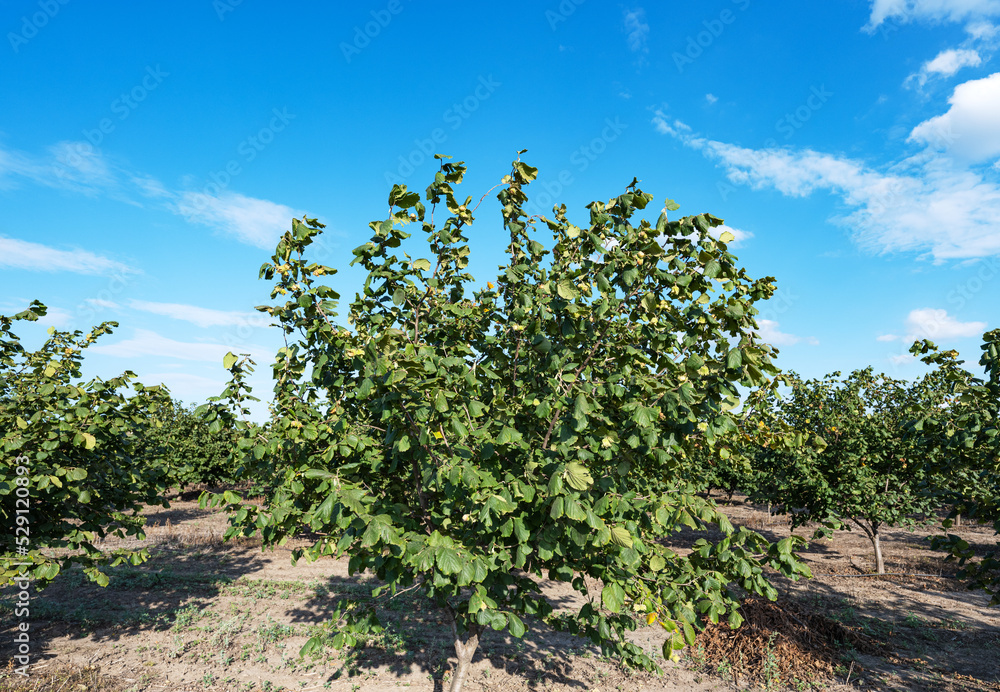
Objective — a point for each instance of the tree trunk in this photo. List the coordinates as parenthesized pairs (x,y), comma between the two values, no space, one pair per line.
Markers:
(879,563)
(464,651)
(958,520)
(870,529)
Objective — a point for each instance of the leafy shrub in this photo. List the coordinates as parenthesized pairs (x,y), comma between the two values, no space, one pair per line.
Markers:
(68,475)
(186,449)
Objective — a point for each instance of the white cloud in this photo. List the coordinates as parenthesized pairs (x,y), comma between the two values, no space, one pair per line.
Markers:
(739,235)
(638,30)
(100,303)
(56,317)
(926,204)
(21,254)
(934,324)
(950,61)
(185,386)
(257,222)
(769,333)
(970,130)
(945,64)
(146,343)
(80,167)
(711,98)
(203,317)
(902,359)
(887,337)
(930,11)
(149,343)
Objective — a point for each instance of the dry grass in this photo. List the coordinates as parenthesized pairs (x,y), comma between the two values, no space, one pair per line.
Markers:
(779,644)
(63,678)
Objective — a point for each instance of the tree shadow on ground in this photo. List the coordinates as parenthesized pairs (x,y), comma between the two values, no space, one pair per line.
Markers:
(151,596)
(417,639)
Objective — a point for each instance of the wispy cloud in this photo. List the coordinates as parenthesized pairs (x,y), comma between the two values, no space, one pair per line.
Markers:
(711,98)
(637,30)
(147,343)
(257,222)
(930,11)
(22,254)
(202,317)
(81,168)
(186,386)
(933,203)
(769,333)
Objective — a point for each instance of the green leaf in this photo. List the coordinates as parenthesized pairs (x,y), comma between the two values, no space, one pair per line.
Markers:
(448,561)
(578,476)
(688,633)
(613,597)
(229,360)
(566,289)
(622,537)
(421,264)
(515,625)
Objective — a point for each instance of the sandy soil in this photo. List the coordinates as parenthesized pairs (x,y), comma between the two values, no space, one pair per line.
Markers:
(204,615)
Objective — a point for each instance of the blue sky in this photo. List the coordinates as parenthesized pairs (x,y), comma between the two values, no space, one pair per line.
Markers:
(151,155)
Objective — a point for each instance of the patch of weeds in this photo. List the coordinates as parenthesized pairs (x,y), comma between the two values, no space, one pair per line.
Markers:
(271,632)
(769,665)
(186,617)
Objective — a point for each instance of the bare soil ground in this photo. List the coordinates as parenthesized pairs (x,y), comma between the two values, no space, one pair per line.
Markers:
(208,615)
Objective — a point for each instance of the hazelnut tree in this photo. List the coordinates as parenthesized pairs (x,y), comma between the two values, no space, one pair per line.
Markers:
(472,442)
(69,474)
(960,439)
(854,464)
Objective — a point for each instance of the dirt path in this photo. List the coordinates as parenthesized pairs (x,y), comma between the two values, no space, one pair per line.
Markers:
(204,615)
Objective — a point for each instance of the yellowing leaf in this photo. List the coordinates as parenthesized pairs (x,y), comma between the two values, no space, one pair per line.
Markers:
(727,237)
(622,537)
(89,441)
(651,618)
(578,476)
